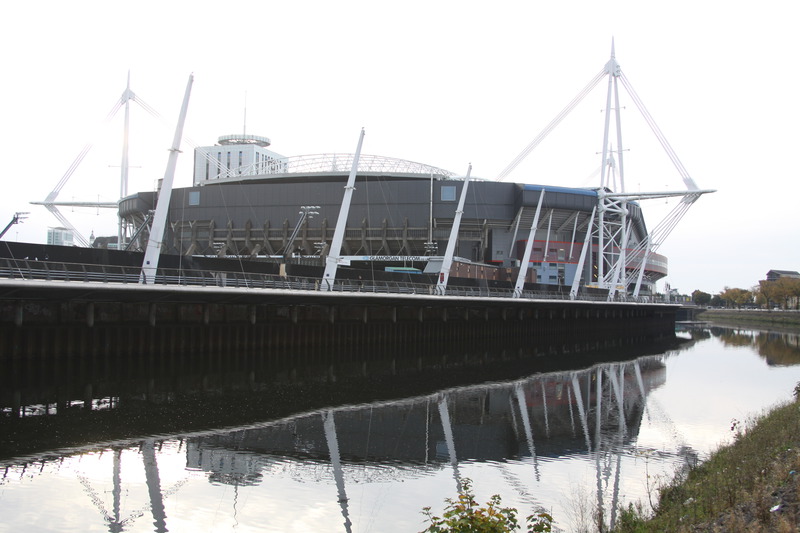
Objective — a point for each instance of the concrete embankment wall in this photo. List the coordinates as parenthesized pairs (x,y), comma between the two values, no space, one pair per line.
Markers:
(73,327)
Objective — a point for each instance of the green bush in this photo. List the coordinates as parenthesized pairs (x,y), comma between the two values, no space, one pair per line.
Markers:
(464,515)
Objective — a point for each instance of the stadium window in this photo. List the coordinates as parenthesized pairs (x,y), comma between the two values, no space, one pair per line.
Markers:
(194,197)
(448,193)
(562,254)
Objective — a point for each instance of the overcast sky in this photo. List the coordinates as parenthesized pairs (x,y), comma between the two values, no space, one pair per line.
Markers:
(442,83)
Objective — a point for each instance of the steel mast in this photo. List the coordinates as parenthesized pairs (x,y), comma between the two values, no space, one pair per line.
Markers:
(334,257)
(155,240)
(618,268)
(447,262)
(127,96)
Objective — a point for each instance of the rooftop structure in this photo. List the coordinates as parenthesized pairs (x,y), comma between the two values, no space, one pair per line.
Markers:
(774,275)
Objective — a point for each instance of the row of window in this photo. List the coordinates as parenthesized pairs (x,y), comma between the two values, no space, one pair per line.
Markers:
(263,164)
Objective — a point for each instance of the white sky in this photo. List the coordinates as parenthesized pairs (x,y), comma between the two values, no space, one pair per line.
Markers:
(442,83)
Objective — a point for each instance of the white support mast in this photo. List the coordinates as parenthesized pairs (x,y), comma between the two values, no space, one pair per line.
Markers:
(587,243)
(334,257)
(618,268)
(447,262)
(127,96)
(50,201)
(155,241)
(526,257)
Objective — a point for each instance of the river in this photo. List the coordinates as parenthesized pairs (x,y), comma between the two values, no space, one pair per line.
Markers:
(317,451)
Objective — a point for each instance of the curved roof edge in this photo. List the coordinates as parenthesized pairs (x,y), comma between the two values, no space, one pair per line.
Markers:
(555,188)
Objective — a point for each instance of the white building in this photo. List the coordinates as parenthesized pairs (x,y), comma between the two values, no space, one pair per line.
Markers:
(60,237)
(235,156)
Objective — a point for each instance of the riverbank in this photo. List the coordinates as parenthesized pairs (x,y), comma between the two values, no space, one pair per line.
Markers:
(751,485)
(754,317)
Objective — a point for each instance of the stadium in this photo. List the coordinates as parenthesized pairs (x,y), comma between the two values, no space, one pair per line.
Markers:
(283,215)
(251,203)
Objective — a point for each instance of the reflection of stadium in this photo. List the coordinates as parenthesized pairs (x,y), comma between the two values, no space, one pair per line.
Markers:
(598,410)
(595,411)
(559,411)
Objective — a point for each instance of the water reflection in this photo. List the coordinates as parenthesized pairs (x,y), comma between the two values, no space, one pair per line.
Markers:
(777,347)
(596,410)
(372,466)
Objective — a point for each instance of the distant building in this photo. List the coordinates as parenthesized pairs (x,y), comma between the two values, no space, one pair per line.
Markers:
(60,237)
(774,275)
(105,242)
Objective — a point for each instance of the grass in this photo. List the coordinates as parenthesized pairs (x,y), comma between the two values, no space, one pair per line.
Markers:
(748,317)
(750,485)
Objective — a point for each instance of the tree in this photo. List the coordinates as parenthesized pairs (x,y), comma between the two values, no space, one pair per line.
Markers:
(771,292)
(790,291)
(782,291)
(736,297)
(758,296)
(701,298)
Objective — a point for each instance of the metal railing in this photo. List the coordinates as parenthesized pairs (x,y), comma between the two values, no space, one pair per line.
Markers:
(27,269)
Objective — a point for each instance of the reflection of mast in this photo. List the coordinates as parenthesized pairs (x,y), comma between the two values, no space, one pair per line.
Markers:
(526,422)
(597,442)
(581,411)
(154,485)
(544,404)
(115,523)
(608,446)
(116,526)
(338,474)
(444,414)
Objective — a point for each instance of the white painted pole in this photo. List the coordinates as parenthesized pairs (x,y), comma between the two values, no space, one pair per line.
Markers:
(644,258)
(156,239)
(123,181)
(618,275)
(587,243)
(523,266)
(447,262)
(334,257)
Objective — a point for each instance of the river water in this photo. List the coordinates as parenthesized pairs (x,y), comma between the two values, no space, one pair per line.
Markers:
(576,442)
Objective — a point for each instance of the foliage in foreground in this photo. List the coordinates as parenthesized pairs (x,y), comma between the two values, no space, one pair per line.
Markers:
(465,515)
(751,485)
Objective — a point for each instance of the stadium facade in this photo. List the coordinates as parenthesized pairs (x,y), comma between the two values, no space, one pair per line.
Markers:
(251,203)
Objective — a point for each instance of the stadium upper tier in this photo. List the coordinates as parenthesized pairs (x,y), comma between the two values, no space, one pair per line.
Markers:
(329,164)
